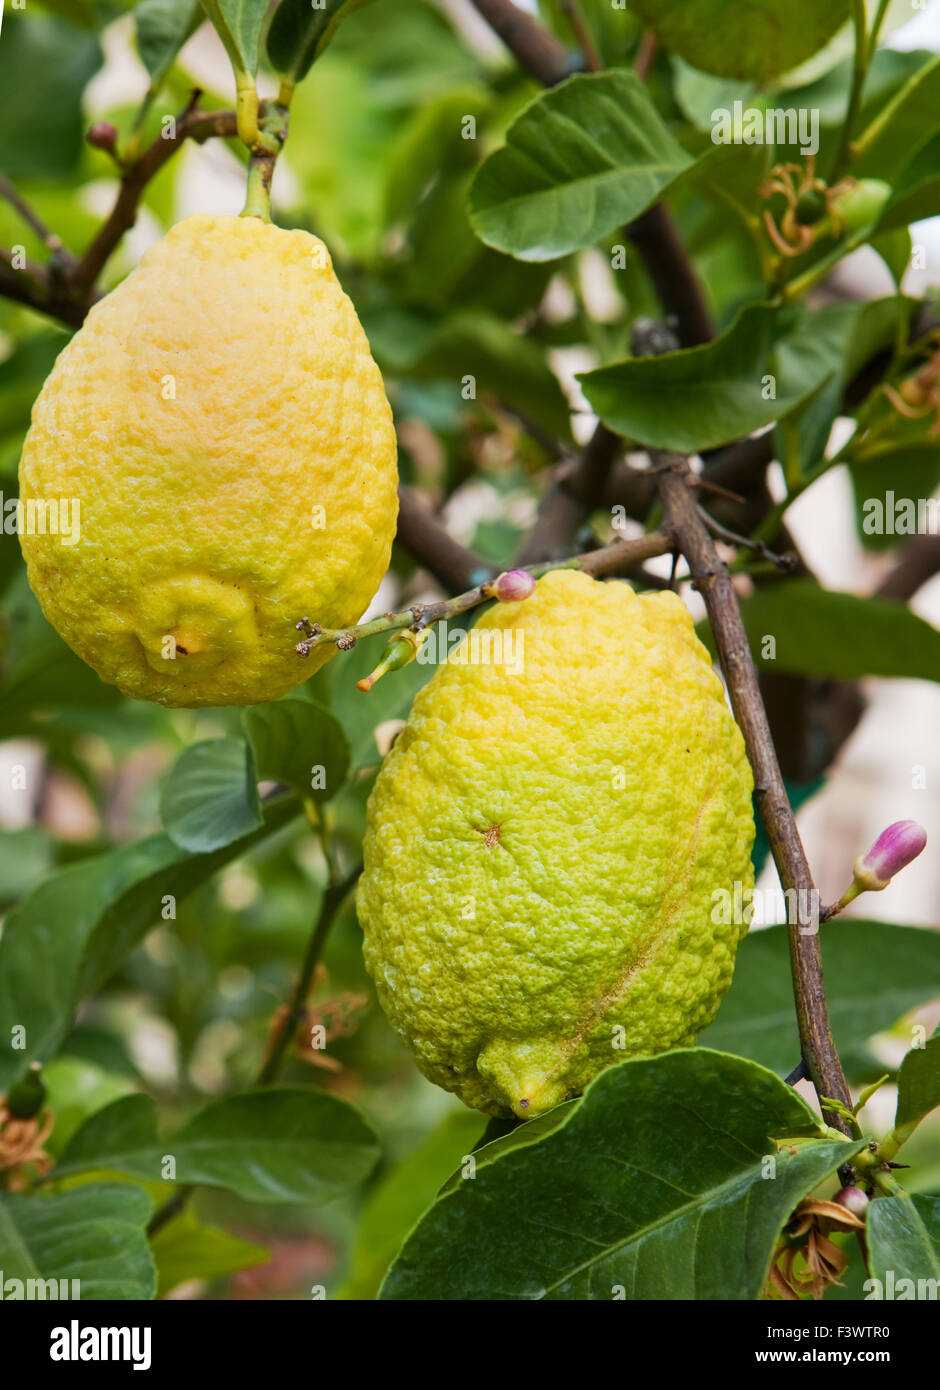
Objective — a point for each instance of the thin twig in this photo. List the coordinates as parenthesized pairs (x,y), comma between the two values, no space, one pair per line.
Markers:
(645,53)
(32,219)
(714,583)
(191,124)
(582,33)
(620,554)
(334,896)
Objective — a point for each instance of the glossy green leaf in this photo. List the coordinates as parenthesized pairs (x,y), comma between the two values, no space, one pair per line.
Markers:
(824,633)
(72,932)
(903,1235)
(299,742)
(663,1156)
(766,37)
(277,1145)
(875,973)
(185,1249)
(918,1086)
(210,797)
(581,160)
(705,396)
(239,24)
(95,1234)
(300,32)
(41,136)
(163,26)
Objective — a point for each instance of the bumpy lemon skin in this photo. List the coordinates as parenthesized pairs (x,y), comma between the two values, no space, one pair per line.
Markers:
(545,851)
(222,423)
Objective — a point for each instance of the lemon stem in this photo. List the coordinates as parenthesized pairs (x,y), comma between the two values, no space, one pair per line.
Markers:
(271,132)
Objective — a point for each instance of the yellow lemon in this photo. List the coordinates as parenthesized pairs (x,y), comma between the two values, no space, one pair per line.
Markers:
(553,844)
(211,459)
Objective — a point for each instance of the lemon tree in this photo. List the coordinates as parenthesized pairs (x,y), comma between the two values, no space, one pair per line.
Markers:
(411,667)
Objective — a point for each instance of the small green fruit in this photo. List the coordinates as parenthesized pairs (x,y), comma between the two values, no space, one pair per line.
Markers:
(860,205)
(26,1098)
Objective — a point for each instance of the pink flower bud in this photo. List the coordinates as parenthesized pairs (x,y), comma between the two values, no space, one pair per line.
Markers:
(103,136)
(512,586)
(893,849)
(853,1199)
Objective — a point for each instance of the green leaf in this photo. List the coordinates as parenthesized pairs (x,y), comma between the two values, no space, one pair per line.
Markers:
(875,973)
(663,1156)
(25,857)
(210,797)
(73,931)
(895,248)
(839,340)
(395,1204)
(95,1233)
(299,32)
(581,160)
(276,1145)
(823,633)
(918,1086)
(903,1235)
(239,24)
(471,342)
(299,742)
(163,26)
(185,1249)
(916,191)
(76,1089)
(912,123)
(890,487)
(41,137)
(705,396)
(765,39)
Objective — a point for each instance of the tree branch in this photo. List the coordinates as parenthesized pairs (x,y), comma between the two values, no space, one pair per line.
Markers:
(423,536)
(615,558)
(534,48)
(714,583)
(660,246)
(191,124)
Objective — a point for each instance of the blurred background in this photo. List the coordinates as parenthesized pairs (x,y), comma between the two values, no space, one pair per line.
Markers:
(376,166)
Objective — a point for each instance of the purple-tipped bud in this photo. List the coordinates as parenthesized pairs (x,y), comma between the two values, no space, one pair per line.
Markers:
(853,1199)
(103,136)
(512,586)
(893,849)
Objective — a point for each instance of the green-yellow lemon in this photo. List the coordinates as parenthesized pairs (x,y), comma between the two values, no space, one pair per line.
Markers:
(220,436)
(553,845)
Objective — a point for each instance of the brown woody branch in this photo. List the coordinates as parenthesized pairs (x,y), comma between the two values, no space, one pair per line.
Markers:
(65,289)
(452,564)
(714,583)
